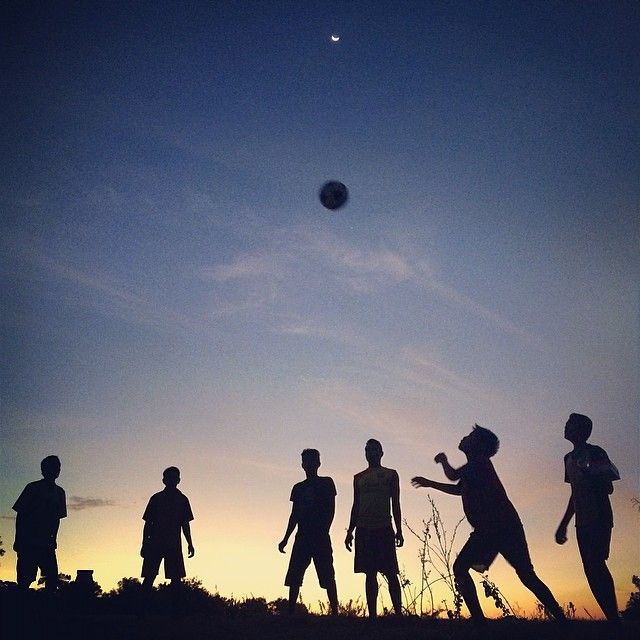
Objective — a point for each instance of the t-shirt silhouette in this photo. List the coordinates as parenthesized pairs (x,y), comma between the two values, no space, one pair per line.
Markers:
(484,499)
(375,485)
(167,511)
(40,506)
(313,502)
(590,473)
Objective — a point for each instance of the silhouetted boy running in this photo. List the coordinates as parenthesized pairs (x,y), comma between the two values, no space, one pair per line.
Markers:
(497,527)
(39,509)
(591,474)
(312,512)
(166,516)
(376,494)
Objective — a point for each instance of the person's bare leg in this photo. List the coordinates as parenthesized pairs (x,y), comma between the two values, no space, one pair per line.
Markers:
(396,593)
(371,590)
(332,594)
(603,589)
(293,598)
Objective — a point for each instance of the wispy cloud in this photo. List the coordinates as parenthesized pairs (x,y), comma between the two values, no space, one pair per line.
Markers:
(246,266)
(428,371)
(359,269)
(79,503)
(113,299)
(316,329)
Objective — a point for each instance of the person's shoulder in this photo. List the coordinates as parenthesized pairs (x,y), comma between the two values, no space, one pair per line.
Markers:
(361,474)
(298,485)
(392,473)
(60,491)
(36,485)
(596,452)
(328,482)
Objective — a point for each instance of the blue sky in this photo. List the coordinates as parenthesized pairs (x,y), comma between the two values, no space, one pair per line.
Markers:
(174,293)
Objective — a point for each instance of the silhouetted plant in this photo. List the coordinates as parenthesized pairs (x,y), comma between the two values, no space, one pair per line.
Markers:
(63,580)
(501,603)
(353,608)
(632,610)
(435,555)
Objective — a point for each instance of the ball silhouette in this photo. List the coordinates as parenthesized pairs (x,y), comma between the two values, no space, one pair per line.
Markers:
(333,195)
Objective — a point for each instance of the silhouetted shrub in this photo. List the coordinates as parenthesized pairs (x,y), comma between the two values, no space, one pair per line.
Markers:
(632,610)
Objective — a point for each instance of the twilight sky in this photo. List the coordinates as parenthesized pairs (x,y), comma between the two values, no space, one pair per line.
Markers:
(173,293)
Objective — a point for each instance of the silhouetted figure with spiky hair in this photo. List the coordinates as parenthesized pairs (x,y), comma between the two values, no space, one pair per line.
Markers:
(497,526)
(40,507)
(376,498)
(312,513)
(166,517)
(591,475)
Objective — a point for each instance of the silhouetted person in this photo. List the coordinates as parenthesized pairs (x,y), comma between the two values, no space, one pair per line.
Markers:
(167,516)
(312,512)
(376,494)
(39,509)
(591,474)
(497,526)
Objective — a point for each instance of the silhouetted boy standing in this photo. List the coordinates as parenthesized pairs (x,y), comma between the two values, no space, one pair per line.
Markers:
(39,509)
(312,512)
(591,474)
(166,516)
(376,492)
(497,526)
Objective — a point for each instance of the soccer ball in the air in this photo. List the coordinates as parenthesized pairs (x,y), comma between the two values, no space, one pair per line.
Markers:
(333,195)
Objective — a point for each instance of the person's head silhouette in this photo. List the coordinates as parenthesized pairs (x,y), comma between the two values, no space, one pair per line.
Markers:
(578,428)
(311,461)
(480,443)
(50,467)
(171,477)
(373,452)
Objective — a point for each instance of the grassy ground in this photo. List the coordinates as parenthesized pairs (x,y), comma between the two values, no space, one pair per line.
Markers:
(196,627)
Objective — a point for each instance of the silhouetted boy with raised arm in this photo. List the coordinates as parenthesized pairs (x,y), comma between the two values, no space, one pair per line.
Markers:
(497,526)
(167,516)
(591,474)
(39,509)
(312,512)
(376,494)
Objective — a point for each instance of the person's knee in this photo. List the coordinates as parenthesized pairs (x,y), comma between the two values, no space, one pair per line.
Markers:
(460,568)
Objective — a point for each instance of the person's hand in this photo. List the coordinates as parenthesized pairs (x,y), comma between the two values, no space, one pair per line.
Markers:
(190,551)
(281,545)
(348,541)
(419,481)
(399,539)
(441,458)
(561,534)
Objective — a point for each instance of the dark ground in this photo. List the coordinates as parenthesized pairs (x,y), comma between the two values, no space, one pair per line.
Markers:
(126,615)
(198,626)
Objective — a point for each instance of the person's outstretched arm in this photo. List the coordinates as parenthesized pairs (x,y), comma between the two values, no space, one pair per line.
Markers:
(395,509)
(451,489)
(186,529)
(449,471)
(291,525)
(561,532)
(348,541)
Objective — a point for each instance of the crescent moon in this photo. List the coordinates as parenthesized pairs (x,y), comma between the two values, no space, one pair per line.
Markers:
(335,38)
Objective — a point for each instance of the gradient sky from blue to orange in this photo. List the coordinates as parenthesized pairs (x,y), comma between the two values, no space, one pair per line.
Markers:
(173,292)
